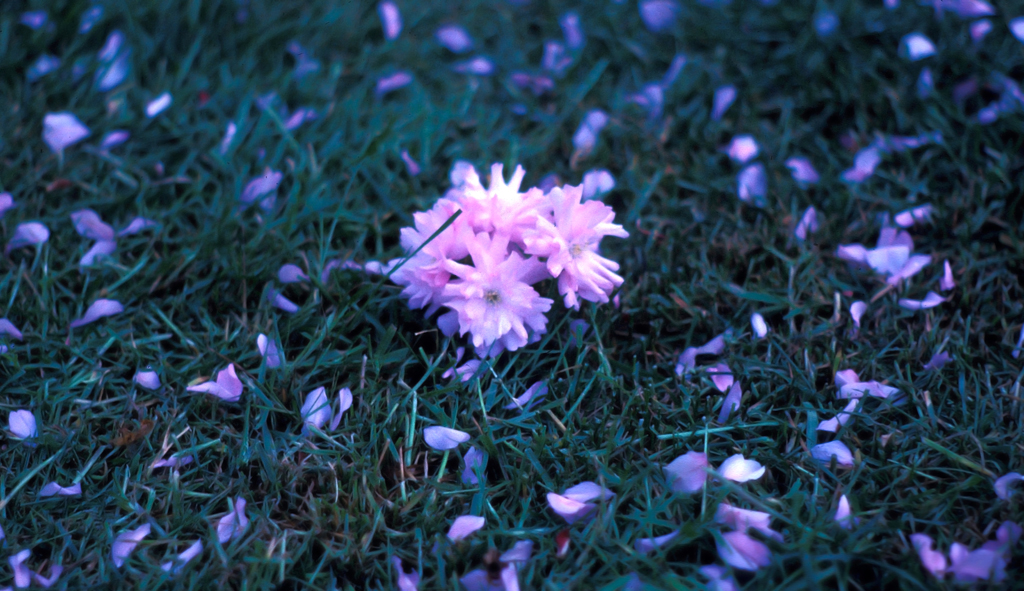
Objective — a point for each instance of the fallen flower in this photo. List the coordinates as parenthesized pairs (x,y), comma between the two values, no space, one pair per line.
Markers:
(99,309)
(61,130)
(177,563)
(158,105)
(227,387)
(741,551)
(22,424)
(464,526)
(443,438)
(391,20)
(268,351)
(53,489)
(930,301)
(126,542)
(823,452)
(28,234)
(1003,483)
(742,149)
(234,523)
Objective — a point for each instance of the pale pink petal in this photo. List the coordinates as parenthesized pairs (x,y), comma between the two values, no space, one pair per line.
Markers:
(931,300)
(843,515)
(261,187)
(1003,484)
(731,402)
(832,425)
(588,491)
(823,452)
(53,488)
(739,469)
(597,182)
(687,473)
(101,249)
(530,397)
(688,358)
(478,66)
(344,403)
(464,526)
(126,542)
(510,577)
(520,552)
(22,424)
(932,560)
(909,217)
(407,581)
(290,273)
(46,582)
(648,545)
(744,520)
(393,82)
(391,19)
(158,105)
(1017,28)
(946,283)
(268,350)
(803,171)
(854,253)
(229,136)
(227,387)
(280,302)
(410,165)
(479,580)
(857,310)
(808,224)
(234,523)
(752,185)
(720,580)
(473,464)
(454,38)
(173,462)
(758,324)
(28,234)
(979,29)
(916,46)
(846,376)
(316,410)
(864,165)
(742,148)
(175,565)
(658,15)
(61,130)
(569,509)
(137,225)
(912,267)
(6,202)
(22,575)
(741,551)
(114,138)
(7,328)
(888,260)
(443,438)
(1009,533)
(722,377)
(937,361)
(570,23)
(99,309)
(724,98)
(970,566)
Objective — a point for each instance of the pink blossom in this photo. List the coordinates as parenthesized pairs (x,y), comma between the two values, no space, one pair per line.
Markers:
(99,309)
(569,239)
(425,275)
(28,234)
(443,438)
(465,526)
(743,148)
(227,387)
(234,523)
(493,299)
(126,542)
(742,551)
(824,452)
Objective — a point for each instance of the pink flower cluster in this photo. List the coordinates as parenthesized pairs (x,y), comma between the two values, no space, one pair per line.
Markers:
(483,266)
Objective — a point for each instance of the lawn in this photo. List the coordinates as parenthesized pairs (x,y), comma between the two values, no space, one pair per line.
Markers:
(309,134)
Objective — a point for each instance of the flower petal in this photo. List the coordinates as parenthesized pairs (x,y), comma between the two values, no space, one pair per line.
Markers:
(648,545)
(528,398)
(61,130)
(175,565)
(930,301)
(464,526)
(933,561)
(89,225)
(344,403)
(391,19)
(290,273)
(588,491)
(742,551)
(28,234)
(687,473)
(443,438)
(823,452)
(158,105)
(268,350)
(22,575)
(234,523)
(316,410)
(569,509)
(22,424)
(739,469)
(126,542)
(99,309)
(53,488)
(407,581)
(473,463)
(843,516)
(1003,483)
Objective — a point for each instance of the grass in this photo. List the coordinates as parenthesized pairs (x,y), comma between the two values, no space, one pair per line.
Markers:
(329,510)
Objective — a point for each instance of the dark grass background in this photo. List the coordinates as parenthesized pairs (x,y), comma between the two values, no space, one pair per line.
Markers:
(328,512)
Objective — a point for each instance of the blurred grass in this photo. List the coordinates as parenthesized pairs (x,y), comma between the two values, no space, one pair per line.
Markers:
(328,512)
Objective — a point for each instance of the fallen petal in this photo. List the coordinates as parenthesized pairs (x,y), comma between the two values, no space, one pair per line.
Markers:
(126,542)
(933,561)
(597,183)
(473,464)
(407,581)
(917,47)
(158,105)
(137,225)
(937,361)
(569,509)
(443,438)
(946,283)
(832,425)
(720,580)
(687,473)
(316,410)
(393,82)
(391,19)
(61,130)
(99,250)
(1003,484)
(722,377)
(22,575)
(857,310)
(268,350)
(742,551)
(53,489)
(464,526)
(843,516)
(99,309)
(803,171)
(114,138)
(234,523)
(455,38)
(344,403)
(739,469)
(588,491)
(8,328)
(648,545)
(808,224)
(930,301)
(823,452)
(28,234)
(658,15)
(22,424)
(280,302)
(175,565)
(724,97)
(743,148)
(753,185)
(532,395)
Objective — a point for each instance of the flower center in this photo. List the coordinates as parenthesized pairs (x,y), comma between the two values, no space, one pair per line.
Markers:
(575,251)
(492,297)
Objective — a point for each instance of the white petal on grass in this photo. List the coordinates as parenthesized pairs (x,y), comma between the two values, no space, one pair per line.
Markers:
(392,83)
(22,575)
(61,130)
(932,560)
(857,310)
(280,302)
(1003,483)
(527,399)
(731,402)
(648,545)
(114,138)
(99,309)
(832,425)
(22,424)
(742,551)
(261,186)
(464,526)
(569,509)
(28,234)
(722,377)
(472,466)
(597,182)
(175,565)
(7,328)
(916,46)
(99,250)
(724,98)
(316,411)
(1017,28)
(407,581)
(743,148)
(803,171)
(443,438)
(290,273)
(931,300)
(744,520)
(947,282)
(391,19)
(658,15)
(752,185)
(687,473)
(233,524)
(227,386)
(158,105)
(823,452)
(138,224)
(454,38)
(807,225)
(229,136)
(126,542)
(54,489)
(739,469)
(89,225)
(344,403)
(843,515)
(268,350)
(758,324)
